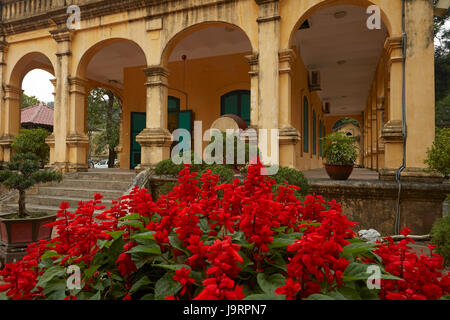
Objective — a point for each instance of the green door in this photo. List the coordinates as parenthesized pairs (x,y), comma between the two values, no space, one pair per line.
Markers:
(238,103)
(137,125)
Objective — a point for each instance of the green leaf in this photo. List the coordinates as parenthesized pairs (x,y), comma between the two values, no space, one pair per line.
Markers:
(116,234)
(269,284)
(148,296)
(144,235)
(320,297)
(133,223)
(96,296)
(174,242)
(349,293)
(357,248)
(356,271)
(52,272)
(139,284)
(152,249)
(50,254)
(172,267)
(446,297)
(133,216)
(262,296)
(166,286)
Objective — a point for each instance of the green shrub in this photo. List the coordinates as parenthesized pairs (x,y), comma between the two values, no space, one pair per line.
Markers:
(438,157)
(32,141)
(168,167)
(235,150)
(340,149)
(165,189)
(440,235)
(291,176)
(225,173)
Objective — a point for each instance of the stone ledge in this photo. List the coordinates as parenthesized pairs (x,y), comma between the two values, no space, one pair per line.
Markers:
(411,175)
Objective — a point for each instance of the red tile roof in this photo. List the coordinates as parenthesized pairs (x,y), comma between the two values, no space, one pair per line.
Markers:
(39,114)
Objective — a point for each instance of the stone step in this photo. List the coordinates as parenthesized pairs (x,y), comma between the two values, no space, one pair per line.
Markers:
(108,175)
(78,192)
(13,208)
(50,201)
(94,184)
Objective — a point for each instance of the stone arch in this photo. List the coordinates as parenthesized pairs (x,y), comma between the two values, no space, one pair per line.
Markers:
(178,35)
(29,62)
(316,5)
(90,53)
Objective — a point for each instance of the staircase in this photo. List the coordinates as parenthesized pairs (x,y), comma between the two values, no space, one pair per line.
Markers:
(76,187)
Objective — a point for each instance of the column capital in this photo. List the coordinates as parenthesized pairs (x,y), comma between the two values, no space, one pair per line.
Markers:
(12,92)
(392,131)
(77,85)
(154,137)
(289,135)
(286,58)
(61,35)
(4,45)
(253,61)
(268,10)
(156,76)
(394,49)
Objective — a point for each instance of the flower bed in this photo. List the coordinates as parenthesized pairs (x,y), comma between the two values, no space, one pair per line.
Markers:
(246,243)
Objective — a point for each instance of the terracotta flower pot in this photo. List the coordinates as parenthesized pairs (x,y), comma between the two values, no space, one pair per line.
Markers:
(339,172)
(17,234)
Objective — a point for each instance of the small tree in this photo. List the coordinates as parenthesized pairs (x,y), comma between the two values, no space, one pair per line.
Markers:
(23,173)
(32,141)
(340,149)
(438,157)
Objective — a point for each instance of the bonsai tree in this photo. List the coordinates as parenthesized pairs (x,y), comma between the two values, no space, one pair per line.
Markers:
(23,173)
(32,141)
(340,149)
(438,157)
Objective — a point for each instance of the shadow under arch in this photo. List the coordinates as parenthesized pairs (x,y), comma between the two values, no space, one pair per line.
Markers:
(322,4)
(90,53)
(180,35)
(29,62)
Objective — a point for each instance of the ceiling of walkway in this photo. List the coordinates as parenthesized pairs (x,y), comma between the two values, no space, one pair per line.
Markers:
(107,65)
(339,45)
(211,41)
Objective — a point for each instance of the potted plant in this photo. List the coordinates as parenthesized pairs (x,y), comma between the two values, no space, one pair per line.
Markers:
(21,228)
(340,152)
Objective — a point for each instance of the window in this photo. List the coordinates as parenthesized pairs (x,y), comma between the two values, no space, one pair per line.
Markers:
(314,135)
(320,138)
(305,125)
(238,103)
(173,110)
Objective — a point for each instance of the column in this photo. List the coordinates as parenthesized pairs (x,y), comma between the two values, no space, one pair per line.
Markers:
(374,133)
(11,119)
(3,51)
(268,77)
(392,130)
(254,95)
(62,98)
(51,138)
(77,140)
(155,139)
(289,136)
(380,123)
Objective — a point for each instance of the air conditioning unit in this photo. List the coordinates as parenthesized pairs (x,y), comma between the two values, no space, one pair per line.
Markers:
(314,78)
(326,107)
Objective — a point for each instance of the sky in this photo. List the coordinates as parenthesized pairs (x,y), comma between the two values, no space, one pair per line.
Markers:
(37,82)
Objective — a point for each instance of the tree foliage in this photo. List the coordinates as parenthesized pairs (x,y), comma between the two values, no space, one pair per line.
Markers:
(23,173)
(32,141)
(29,101)
(438,157)
(340,149)
(104,110)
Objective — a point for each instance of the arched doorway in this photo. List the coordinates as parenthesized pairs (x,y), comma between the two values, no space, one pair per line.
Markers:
(209,73)
(28,95)
(341,59)
(112,70)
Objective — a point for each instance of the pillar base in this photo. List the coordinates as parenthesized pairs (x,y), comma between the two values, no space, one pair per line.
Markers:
(155,144)
(411,175)
(288,139)
(78,144)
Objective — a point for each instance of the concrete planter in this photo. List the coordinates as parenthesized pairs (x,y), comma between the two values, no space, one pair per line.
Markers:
(339,172)
(17,234)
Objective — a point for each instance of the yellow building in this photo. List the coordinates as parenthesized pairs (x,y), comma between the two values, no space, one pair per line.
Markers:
(293,65)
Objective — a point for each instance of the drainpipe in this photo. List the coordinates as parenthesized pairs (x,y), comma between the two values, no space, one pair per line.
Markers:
(404,128)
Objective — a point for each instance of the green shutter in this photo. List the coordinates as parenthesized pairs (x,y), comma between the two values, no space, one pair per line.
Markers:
(314,136)
(231,104)
(138,122)
(245,107)
(305,125)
